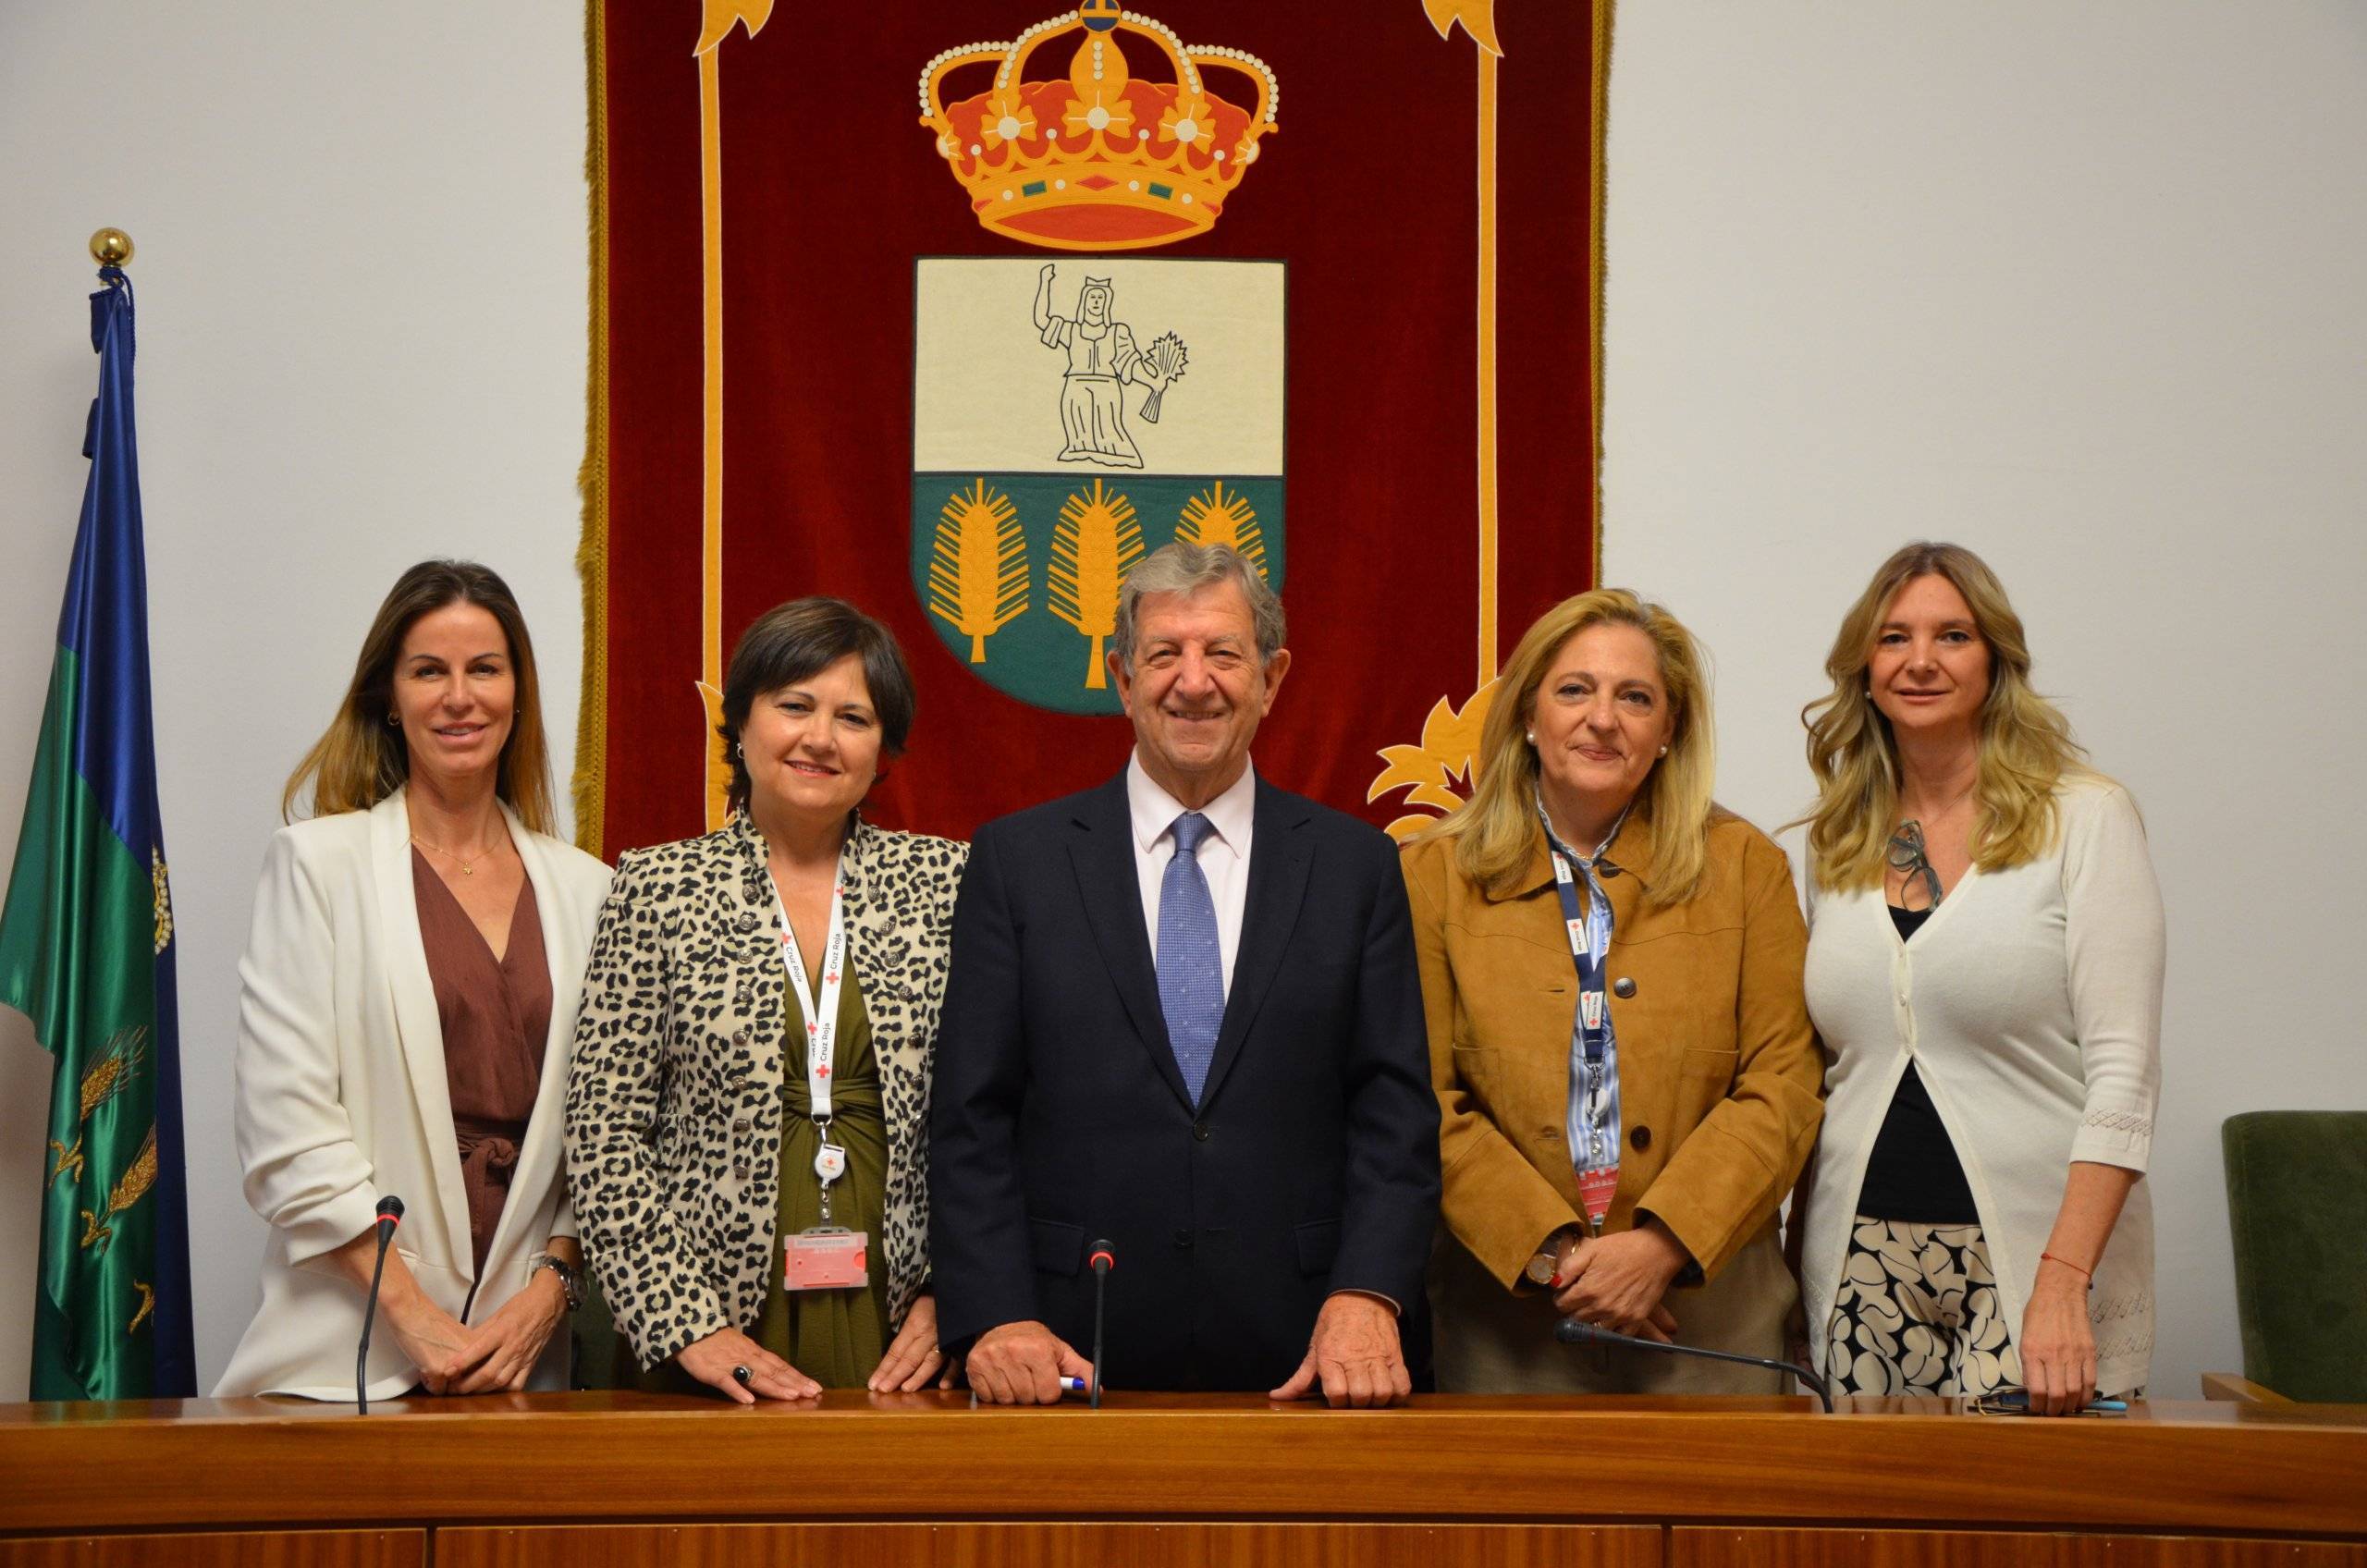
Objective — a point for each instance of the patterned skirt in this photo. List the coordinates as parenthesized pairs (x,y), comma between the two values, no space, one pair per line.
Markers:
(1917,1313)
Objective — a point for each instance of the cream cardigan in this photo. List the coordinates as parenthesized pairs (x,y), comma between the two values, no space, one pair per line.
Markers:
(2030,1004)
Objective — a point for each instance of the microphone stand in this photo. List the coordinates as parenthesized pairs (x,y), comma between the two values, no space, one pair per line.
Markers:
(1103,1260)
(1570,1331)
(390,1214)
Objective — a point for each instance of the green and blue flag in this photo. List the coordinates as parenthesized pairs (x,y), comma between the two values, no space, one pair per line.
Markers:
(86,951)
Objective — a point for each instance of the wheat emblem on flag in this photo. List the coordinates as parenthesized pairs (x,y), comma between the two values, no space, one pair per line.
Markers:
(977,576)
(129,1189)
(117,1064)
(1097,544)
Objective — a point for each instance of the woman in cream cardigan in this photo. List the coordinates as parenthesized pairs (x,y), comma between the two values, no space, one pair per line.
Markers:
(1986,968)
(406,1007)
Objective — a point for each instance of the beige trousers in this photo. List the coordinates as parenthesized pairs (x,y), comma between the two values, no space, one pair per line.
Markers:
(1490,1341)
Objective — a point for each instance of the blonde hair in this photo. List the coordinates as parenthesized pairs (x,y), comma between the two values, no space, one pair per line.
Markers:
(2026,745)
(1496,831)
(363,759)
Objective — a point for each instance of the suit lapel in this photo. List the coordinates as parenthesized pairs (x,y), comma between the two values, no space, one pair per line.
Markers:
(412,991)
(1279,863)
(1102,853)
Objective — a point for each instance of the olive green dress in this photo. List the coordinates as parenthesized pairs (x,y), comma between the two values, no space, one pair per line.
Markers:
(834,1337)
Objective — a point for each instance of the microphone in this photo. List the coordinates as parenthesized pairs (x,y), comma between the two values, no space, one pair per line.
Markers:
(1103,1260)
(390,1214)
(1570,1331)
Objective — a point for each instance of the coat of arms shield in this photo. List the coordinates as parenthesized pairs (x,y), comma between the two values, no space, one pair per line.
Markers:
(1069,417)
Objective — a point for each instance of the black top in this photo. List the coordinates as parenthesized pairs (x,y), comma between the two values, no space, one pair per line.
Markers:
(1914,1176)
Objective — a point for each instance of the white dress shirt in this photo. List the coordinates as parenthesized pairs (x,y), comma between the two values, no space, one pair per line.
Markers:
(1223,856)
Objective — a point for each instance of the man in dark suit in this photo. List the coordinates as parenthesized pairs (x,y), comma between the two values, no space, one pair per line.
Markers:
(1184,1016)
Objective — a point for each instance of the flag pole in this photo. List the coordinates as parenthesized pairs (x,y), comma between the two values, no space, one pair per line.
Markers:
(111,248)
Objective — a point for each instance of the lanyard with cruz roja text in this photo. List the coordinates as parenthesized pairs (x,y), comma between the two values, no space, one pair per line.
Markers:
(1595,1114)
(821,1025)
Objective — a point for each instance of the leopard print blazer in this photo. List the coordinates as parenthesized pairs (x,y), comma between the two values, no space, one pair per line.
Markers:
(674,1104)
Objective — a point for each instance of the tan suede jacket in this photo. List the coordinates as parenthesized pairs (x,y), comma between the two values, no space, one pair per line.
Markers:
(1719,1074)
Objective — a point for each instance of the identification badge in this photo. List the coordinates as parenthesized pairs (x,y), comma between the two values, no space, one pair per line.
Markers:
(827,1260)
(1596,1189)
(830,1163)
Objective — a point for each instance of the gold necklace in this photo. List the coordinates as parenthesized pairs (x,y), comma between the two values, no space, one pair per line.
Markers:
(468,867)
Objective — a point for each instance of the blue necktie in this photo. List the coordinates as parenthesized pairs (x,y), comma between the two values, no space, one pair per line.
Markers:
(1191,965)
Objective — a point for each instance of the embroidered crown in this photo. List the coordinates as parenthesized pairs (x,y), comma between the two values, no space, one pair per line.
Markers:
(1100,160)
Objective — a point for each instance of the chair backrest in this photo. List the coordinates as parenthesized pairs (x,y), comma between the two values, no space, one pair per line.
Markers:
(2297,1204)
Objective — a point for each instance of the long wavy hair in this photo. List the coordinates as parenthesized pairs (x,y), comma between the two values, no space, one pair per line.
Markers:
(1496,832)
(363,759)
(2026,745)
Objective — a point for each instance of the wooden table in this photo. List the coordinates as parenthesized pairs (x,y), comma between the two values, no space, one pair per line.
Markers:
(590,1480)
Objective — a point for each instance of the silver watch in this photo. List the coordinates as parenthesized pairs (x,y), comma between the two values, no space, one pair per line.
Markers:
(571,1278)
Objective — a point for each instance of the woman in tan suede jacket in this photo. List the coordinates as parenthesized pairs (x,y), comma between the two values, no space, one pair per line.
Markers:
(1620,1156)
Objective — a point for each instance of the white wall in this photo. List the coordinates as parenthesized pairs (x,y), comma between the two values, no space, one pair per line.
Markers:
(361,279)
(2078,284)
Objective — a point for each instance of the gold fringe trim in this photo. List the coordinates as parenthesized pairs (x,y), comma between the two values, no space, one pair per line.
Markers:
(589,785)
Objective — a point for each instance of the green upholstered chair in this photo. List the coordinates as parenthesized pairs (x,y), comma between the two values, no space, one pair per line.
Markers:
(2297,1204)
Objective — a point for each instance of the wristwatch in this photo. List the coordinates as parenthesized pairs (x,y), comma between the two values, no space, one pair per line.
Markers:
(571,1278)
(1541,1268)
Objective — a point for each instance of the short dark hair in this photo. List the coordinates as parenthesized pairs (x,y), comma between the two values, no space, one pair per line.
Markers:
(798,640)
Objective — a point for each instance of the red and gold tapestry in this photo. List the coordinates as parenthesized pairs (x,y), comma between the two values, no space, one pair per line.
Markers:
(956,311)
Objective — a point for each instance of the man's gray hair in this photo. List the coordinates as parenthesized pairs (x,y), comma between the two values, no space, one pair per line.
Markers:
(1179,568)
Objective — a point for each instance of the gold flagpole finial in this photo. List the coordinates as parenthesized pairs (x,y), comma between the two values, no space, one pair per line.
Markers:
(111,248)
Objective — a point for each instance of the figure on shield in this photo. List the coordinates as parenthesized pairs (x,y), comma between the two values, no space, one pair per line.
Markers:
(1103,358)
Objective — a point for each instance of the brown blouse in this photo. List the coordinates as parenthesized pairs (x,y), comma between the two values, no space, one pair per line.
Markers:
(496,1016)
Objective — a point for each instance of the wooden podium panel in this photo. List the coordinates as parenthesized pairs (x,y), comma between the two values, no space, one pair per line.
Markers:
(254,1549)
(853,1480)
(1171,1544)
(1945,1548)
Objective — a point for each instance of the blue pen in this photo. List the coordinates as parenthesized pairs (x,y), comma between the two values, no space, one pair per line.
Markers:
(1075,1386)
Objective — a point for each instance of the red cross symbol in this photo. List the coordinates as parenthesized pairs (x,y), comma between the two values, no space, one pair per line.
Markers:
(832,978)
(821,1073)
(811,1028)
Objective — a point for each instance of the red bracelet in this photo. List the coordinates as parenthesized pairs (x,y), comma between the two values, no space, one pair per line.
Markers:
(2089,1275)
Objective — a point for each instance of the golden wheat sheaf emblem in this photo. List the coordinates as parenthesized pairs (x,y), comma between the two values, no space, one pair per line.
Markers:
(1427,772)
(163,892)
(1097,544)
(977,573)
(1214,516)
(110,1072)
(98,1229)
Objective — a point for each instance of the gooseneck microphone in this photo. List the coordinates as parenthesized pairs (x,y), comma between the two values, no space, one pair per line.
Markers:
(390,1214)
(1103,1260)
(1570,1331)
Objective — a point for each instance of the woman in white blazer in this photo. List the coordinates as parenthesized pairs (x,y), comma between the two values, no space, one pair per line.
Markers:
(1984,966)
(407,1009)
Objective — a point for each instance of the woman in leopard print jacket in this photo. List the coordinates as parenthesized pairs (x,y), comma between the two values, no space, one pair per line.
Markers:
(744,1243)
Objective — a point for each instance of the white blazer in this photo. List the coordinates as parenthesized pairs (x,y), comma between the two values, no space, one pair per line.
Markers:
(342,1099)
